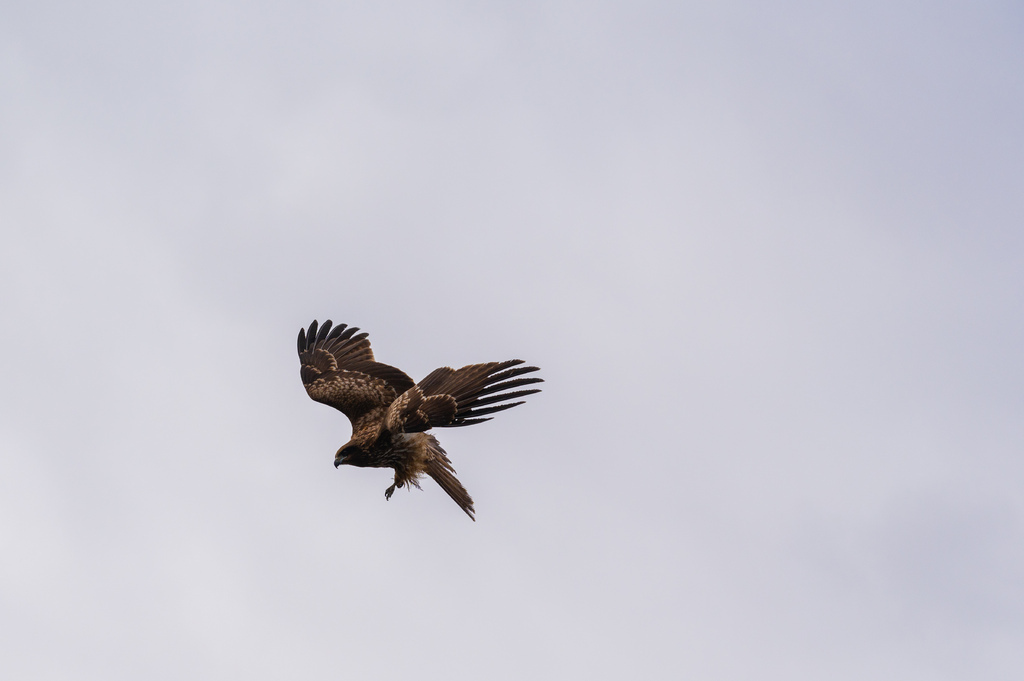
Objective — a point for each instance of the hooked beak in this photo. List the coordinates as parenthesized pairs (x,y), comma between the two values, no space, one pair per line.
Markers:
(345,456)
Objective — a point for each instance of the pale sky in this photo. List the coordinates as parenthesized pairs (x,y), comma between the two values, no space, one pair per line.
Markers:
(769,257)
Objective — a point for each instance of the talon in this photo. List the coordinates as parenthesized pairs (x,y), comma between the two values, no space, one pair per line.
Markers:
(388,492)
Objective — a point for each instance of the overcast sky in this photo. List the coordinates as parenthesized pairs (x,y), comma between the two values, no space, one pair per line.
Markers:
(769,256)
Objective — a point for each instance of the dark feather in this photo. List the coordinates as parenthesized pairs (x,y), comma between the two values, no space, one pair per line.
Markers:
(338,369)
(338,330)
(509,384)
(324,330)
(491,410)
(466,422)
(497,398)
(472,388)
(439,467)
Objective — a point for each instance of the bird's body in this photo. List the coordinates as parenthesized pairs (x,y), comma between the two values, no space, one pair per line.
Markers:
(389,413)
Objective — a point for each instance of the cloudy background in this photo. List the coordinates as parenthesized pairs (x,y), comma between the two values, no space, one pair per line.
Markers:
(769,256)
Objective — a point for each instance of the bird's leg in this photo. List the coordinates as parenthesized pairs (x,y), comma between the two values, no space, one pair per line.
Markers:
(391,490)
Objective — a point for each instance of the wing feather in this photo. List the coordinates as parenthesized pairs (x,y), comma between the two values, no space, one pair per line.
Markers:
(458,397)
(338,369)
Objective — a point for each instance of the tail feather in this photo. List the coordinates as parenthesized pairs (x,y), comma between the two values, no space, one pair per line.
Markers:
(439,467)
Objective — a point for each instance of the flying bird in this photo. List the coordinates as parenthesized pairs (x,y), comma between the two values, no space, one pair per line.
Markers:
(390,413)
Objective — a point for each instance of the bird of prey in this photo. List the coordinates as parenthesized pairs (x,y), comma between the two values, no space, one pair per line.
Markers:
(390,413)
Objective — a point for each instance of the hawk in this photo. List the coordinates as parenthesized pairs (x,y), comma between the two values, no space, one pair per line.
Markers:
(390,413)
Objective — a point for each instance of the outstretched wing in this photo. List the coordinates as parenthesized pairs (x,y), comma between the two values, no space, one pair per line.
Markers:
(338,369)
(459,397)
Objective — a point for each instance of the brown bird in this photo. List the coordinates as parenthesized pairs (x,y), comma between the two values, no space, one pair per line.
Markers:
(389,412)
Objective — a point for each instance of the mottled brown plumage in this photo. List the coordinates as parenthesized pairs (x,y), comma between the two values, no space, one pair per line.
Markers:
(389,412)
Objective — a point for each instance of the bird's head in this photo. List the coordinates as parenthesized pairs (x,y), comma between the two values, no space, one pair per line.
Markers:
(350,455)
